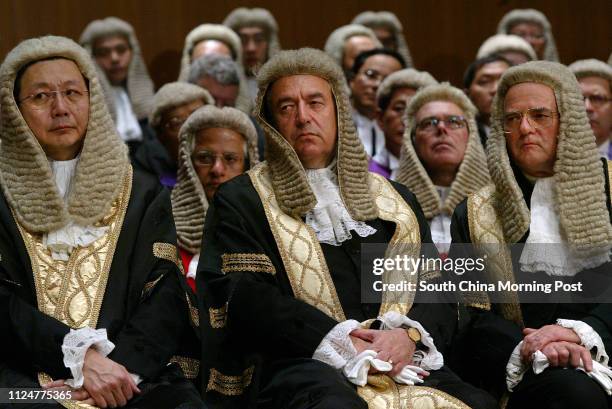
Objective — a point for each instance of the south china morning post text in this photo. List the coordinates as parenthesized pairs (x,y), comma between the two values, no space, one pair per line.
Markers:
(431,275)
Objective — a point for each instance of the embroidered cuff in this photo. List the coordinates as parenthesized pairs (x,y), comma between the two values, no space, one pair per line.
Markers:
(336,348)
(431,359)
(589,338)
(76,343)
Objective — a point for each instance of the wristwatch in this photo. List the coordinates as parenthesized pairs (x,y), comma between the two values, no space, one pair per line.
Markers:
(414,335)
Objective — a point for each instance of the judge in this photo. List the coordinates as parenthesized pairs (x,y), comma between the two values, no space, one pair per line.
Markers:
(90,287)
(279,273)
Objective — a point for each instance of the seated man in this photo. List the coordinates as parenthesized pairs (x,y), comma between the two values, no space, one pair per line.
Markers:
(129,90)
(392,97)
(219,75)
(90,286)
(369,70)
(215,146)
(443,160)
(480,84)
(279,269)
(345,43)
(388,30)
(533,26)
(215,39)
(550,189)
(595,80)
(511,47)
(258,31)
(172,105)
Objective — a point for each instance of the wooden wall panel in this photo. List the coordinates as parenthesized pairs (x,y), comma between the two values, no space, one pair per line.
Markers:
(443,35)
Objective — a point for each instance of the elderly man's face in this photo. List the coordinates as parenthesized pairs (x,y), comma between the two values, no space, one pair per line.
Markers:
(353,46)
(533,33)
(254,47)
(304,112)
(391,120)
(207,47)
(441,136)
(113,54)
(365,83)
(596,91)
(531,123)
(484,86)
(170,125)
(54,102)
(224,95)
(218,156)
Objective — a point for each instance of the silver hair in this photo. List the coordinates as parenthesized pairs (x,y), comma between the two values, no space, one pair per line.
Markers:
(221,68)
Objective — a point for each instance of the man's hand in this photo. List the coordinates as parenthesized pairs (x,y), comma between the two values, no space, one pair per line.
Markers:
(537,339)
(564,354)
(393,346)
(107,382)
(77,394)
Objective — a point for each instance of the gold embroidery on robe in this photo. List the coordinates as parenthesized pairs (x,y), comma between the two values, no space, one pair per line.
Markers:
(229,385)
(167,251)
(488,238)
(189,366)
(236,262)
(218,316)
(72,291)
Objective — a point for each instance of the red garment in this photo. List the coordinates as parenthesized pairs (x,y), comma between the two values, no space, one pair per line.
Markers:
(186,259)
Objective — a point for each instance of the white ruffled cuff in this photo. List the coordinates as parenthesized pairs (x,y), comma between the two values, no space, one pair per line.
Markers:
(76,343)
(431,359)
(336,348)
(356,370)
(589,338)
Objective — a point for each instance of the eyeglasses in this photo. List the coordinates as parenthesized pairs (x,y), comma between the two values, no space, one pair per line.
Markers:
(430,125)
(44,100)
(373,75)
(538,118)
(597,101)
(207,159)
(106,51)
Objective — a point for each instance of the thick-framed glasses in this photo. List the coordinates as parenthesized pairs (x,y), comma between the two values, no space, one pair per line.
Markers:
(44,99)
(431,124)
(538,118)
(597,101)
(373,75)
(207,159)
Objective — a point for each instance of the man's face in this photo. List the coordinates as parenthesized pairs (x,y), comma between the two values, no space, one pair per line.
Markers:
(353,46)
(365,83)
(304,113)
(218,156)
(55,105)
(386,38)
(224,95)
(170,125)
(391,120)
(207,47)
(533,33)
(484,86)
(254,47)
(440,148)
(596,91)
(532,148)
(113,54)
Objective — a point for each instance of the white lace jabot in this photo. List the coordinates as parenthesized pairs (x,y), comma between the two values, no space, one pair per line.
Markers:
(62,241)
(546,248)
(329,219)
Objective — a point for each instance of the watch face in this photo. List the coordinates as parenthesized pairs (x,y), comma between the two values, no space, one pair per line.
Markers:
(414,334)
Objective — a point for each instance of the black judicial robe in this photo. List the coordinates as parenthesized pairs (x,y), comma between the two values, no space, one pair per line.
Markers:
(147,323)
(265,324)
(486,340)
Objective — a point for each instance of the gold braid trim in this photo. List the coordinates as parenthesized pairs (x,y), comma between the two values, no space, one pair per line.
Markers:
(218,316)
(167,251)
(194,314)
(236,262)
(189,366)
(229,385)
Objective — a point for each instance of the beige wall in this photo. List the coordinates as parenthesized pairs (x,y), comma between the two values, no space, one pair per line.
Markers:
(443,35)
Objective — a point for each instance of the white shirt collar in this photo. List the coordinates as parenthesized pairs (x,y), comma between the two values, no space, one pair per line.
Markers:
(126,121)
